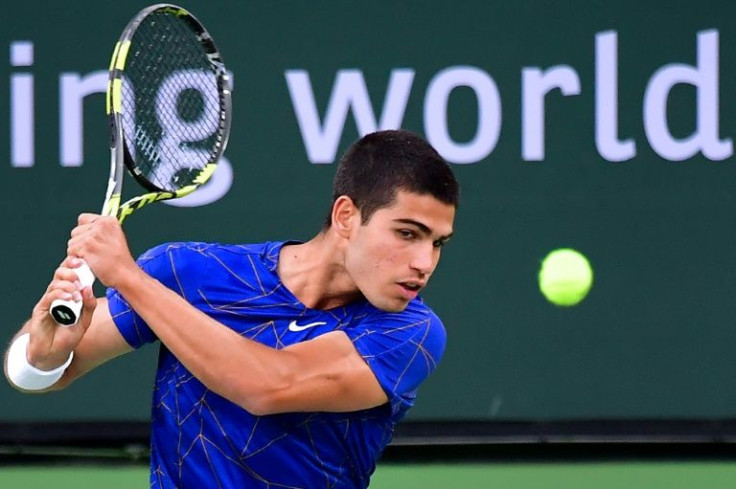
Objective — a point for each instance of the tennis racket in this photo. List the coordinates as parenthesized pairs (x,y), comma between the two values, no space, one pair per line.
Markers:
(169,107)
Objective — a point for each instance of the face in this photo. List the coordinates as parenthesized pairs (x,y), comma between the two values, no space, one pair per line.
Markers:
(393,255)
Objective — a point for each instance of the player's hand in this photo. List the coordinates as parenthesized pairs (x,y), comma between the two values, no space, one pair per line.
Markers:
(50,344)
(100,241)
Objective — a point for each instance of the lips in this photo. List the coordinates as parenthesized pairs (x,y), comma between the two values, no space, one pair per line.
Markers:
(411,288)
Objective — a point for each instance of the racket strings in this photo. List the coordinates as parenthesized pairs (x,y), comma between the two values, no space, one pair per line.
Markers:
(171,102)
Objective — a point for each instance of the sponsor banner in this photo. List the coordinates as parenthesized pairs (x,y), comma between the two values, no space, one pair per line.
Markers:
(605,128)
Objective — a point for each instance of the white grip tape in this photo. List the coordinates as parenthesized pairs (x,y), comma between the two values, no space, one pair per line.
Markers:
(67,312)
(26,376)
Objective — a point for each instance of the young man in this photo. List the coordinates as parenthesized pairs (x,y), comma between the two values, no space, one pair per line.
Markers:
(282,364)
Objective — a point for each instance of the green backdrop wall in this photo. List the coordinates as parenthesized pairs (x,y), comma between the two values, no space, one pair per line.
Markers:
(602,126)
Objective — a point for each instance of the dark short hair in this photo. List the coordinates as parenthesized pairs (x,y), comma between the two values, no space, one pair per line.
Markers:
(378,165)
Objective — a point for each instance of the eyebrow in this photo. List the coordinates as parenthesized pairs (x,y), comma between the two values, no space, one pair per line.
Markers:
(422,227)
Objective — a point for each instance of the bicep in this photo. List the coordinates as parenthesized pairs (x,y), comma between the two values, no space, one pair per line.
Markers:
(101,342)
(328,374)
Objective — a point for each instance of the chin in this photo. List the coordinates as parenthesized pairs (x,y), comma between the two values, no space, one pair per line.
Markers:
(396,305)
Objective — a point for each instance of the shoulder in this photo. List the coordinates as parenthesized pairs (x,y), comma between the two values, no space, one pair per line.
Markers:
(201,251)
(417,324)
(190,263)
(401,348)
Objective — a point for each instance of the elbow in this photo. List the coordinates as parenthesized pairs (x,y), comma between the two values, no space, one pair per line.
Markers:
(263,391)
(259,406)
(264,402)
(266,398)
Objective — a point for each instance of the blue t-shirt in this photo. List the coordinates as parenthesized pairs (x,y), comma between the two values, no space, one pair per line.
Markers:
(201,440)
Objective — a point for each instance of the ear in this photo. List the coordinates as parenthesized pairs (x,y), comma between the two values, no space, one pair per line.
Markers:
(345,216)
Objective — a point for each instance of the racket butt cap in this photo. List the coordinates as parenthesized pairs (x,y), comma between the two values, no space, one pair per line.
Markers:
(65,313)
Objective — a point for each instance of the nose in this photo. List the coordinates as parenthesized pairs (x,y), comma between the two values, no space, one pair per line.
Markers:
(425,259)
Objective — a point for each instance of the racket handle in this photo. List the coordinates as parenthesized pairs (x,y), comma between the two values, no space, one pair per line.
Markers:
(67,312)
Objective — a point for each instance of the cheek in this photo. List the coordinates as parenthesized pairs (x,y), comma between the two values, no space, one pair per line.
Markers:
(378,260)
(375,253)
(372,263)
(391,260)
(384,255)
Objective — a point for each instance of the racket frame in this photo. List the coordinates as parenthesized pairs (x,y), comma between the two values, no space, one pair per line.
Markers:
(66,313)
(120,155)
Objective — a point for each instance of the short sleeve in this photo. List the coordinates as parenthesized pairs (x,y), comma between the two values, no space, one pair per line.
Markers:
(170,264)
(402,350)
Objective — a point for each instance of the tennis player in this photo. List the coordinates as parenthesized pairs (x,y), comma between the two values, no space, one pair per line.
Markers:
(282,364)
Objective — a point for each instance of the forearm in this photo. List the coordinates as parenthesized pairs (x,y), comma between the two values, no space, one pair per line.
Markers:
(239,369)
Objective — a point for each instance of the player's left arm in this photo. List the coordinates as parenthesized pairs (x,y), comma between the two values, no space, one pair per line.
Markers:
(323,374)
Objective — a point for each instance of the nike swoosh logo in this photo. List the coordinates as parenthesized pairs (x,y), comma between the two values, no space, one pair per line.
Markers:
(297,327)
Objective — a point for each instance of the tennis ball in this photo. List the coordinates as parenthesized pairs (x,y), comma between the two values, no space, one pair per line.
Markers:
(565,277)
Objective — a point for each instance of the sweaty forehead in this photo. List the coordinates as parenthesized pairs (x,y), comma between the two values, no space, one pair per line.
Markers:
(410,199)
(424,211)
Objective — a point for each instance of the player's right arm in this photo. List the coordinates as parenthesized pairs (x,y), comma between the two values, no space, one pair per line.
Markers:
(94,339)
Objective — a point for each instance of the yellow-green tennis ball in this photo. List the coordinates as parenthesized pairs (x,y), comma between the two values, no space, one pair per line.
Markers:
(565,277)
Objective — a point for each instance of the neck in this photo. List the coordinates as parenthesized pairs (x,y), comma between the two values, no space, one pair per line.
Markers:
(315,273)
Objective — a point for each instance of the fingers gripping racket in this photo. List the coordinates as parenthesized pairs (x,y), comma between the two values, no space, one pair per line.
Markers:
(168,103)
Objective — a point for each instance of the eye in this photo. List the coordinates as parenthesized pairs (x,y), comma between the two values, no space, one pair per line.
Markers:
(438,243)
(406,234)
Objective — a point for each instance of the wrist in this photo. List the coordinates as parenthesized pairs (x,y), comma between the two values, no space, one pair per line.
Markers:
(127,277)
(26,376)
(38,356)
